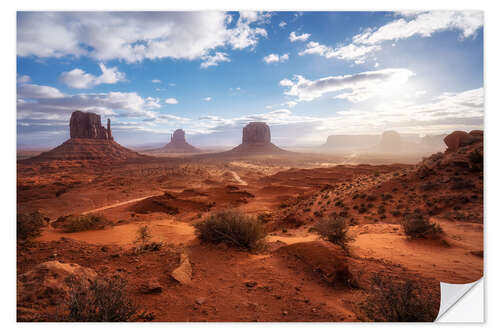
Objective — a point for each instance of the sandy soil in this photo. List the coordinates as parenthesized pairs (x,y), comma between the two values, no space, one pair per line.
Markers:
(289,196)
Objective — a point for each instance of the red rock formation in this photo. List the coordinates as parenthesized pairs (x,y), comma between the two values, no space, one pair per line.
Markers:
(458,139)
(178,144)
(256,132)
(87,125)
(256,140)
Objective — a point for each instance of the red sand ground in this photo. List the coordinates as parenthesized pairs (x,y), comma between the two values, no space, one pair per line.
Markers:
(289,195)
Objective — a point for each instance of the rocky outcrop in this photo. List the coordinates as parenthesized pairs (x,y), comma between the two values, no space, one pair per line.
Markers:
(178,144)
(256,132)
(458,139)
(47,284)
(184,272)
(87,125)
(256,140)
(89,141)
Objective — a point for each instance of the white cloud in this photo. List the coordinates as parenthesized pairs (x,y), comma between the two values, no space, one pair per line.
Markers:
(290,104)
(134,36)
(286,83)
(77,78)
(293,37)
(282,24)
(23,79)
(156,80)
(171,100)
(213,60)
(355,88)
(207,99)
(414,23)
(35,91)
(423,24)
(348,52)
(275,58)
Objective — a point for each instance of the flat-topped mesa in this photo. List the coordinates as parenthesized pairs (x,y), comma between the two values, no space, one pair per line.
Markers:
(179,137)
(87,125)
(256,132)
(390,141)
(256,140)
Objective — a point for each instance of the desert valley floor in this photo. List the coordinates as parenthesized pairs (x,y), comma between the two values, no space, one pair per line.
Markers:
(290,277)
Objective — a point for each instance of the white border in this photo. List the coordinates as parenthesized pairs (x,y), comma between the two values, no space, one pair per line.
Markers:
(8,138)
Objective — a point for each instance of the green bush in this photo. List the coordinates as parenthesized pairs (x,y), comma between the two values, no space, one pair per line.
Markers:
(334,229)
(75,223)
(29,225)
(102,300)
(417,225)
(232,228)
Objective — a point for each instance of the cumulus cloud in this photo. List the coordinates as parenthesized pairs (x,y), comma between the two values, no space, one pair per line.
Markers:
(135,36)
(207,99)
(35,91)
(293,37)
(156,80)
(23,79)
(282,24)
(412,23)
(423,24)
(348,52)
(171,100)
(355,87)
(275,58)
(213,60)
(79,79)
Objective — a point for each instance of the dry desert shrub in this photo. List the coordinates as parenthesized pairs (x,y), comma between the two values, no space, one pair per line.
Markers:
(29,225)
(102,300)
(399,302)
(334,229)
(76,223)
(417,225)
(233,228)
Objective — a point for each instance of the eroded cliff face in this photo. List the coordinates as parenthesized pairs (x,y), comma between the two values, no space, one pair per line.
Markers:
(87,125)
(256,132)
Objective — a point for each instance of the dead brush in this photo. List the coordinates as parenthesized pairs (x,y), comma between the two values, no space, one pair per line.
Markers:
(334,229)
(233,228)
(416,225)
(392,301)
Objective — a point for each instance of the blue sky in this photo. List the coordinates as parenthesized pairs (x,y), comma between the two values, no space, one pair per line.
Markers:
(307,74)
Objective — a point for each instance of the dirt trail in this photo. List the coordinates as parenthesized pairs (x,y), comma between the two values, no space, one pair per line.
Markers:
(118,204)
(238,179)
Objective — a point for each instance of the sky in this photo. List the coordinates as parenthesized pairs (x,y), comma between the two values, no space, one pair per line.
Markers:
(306,74)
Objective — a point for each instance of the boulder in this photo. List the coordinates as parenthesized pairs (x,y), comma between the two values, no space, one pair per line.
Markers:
(256,132)
(184,272)
(49,282)
(87,125)
(151,286)
(458,139)
(476,133)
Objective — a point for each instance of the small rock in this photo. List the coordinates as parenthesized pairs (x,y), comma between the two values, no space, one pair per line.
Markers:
(152,286)
(184,272)
(200,300)
(250,284)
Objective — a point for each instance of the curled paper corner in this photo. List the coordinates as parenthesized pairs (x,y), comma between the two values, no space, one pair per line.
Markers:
(454,298)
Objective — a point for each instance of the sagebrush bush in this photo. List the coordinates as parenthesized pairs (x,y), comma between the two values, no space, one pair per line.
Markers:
(416,225)
(29,225)
(393,301)
(232,228)
(102,300)
(75,223)
(334,229)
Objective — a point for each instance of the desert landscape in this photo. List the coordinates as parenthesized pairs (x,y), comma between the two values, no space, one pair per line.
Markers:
(256,233)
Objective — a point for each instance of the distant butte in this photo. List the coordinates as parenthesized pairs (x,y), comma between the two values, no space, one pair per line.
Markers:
(178,144)
(89,140)
(257,140)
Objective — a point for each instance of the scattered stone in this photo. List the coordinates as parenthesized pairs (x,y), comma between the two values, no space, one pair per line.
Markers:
(151,286)
(250,284)
(184,272)
(200,301)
